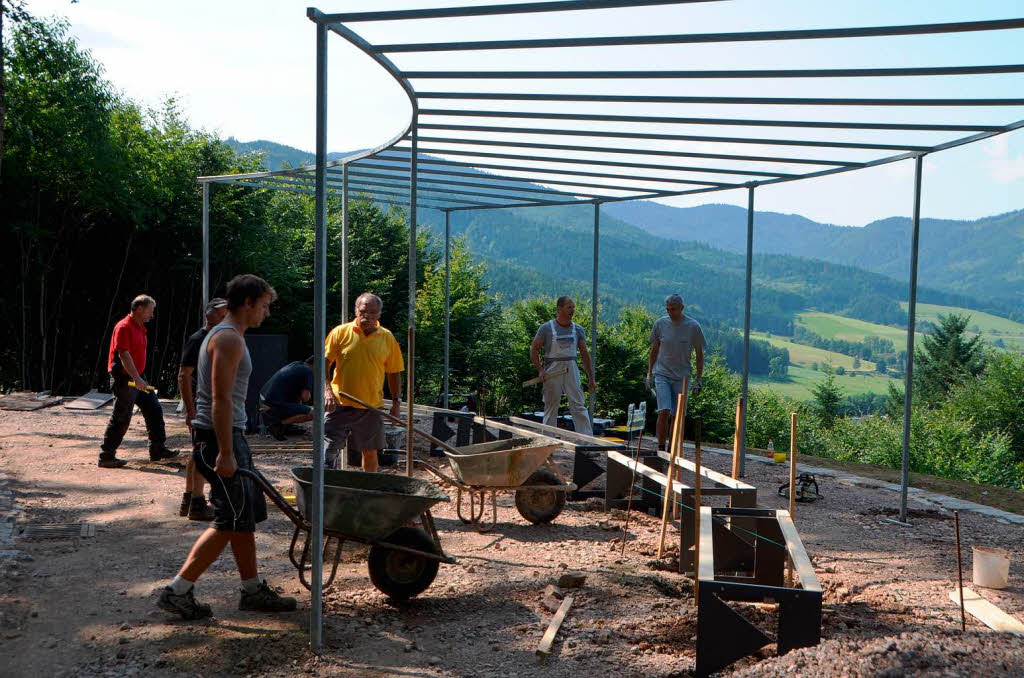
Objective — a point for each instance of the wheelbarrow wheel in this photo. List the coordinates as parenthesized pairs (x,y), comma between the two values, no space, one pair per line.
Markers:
(540,506)
(400,575)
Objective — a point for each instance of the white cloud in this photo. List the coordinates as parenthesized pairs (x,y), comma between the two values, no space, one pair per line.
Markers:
(1004,167)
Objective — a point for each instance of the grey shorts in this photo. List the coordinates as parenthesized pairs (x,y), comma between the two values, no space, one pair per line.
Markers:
(353,427)
(668,391)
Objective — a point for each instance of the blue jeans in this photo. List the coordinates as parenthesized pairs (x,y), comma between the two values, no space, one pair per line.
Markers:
(668,391)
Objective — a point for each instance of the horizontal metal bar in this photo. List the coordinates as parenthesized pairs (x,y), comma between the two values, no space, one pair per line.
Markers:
(421,187)
(453,200)
(636,151)
(683,39)
(543,180)
(549,203)
(529,188)
(598,117)
(421,172)
(403,188)
(752,101)
(305,191)
(733,74)
(669,137)
(602,163)
(491,10)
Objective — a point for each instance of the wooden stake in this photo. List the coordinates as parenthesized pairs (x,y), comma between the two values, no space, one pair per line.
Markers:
(736,440)
(632,483)
(792,466)
(544,648)
(959,572)
(677,446)
(696,509)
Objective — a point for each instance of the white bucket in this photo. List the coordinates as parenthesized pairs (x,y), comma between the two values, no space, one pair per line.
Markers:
(991,567)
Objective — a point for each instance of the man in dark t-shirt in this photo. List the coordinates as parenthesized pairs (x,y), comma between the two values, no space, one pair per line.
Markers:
(193,503)
(284,395)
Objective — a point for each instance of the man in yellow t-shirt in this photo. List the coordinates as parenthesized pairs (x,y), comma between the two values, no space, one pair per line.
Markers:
(362,353)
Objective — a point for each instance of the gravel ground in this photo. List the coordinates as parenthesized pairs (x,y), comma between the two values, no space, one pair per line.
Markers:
(84,607)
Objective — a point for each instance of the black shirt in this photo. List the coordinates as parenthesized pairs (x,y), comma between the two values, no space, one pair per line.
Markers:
(288,383)
(190,351)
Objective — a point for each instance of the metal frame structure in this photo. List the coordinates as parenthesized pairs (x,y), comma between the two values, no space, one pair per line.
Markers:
(469,127)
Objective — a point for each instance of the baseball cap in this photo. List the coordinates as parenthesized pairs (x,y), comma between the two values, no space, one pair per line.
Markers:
(216,302)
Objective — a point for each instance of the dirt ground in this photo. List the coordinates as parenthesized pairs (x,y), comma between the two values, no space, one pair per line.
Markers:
(85,606)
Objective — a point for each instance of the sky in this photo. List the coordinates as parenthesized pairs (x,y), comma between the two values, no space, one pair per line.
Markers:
(246,69)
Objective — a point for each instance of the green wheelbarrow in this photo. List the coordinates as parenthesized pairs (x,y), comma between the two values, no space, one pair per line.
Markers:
(368,508)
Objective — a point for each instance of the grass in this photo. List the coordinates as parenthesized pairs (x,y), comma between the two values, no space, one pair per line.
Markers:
(801,379)
(802,356)
(833,326)
(985,322)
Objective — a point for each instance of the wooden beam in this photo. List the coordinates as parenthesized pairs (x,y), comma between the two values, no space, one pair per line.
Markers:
(989,614)
(797,553)
(544,648)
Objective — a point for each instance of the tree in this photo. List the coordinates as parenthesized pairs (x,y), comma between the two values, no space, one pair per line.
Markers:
(778,368)
(15,9)
(947,358)
(856,363)
(827,397)
(840,370)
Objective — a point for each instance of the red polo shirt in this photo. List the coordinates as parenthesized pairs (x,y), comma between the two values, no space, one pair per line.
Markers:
(128,336)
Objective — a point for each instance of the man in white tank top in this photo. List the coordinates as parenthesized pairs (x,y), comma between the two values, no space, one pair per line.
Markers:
(561,339)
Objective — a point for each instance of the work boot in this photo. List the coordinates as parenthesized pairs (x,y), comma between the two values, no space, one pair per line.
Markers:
(186,500)
(198,509)
(111,462)
(163,454)
(276,431)
(265,599)
(184,605)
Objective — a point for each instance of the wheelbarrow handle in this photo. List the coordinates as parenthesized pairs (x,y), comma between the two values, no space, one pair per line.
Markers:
(275,497)
(401,422)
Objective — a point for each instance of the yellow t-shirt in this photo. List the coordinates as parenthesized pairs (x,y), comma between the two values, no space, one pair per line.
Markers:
(361,361)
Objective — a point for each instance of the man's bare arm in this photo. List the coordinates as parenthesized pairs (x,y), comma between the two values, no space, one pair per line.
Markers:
(700,361)
(653,358)
(185,389)
(535,356)
(395,387)
(227,349)
(585,355)
(129,367)
(330,401)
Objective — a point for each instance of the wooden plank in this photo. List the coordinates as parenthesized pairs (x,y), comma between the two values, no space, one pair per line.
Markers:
(26,401)
(544,648)
(581,439)
(706,561)
(714,476)
(647,471)
(90,401)
(797,553)
(989,614)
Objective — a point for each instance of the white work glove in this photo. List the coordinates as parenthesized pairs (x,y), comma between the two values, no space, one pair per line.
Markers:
(649,383)
(696,386)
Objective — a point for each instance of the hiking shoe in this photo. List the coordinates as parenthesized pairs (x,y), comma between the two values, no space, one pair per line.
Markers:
(111,462)
(265,599)
(186,501)
(198,509)
(184,605)
(163,454)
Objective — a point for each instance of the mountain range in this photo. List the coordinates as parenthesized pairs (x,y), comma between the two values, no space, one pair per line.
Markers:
(649,249)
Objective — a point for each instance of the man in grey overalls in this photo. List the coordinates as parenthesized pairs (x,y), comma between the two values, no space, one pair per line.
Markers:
(561,338)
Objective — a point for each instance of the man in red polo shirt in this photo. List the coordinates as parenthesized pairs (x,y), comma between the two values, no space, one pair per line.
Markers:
(126,364)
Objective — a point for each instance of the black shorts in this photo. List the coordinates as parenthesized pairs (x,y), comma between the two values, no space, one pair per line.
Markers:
(238,504)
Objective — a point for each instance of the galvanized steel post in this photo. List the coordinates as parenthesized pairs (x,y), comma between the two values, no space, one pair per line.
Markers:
(411,376)
(911,312)
(344,243)
(593,312)
(746,332)
(319,327)
(206,242)
(447,300)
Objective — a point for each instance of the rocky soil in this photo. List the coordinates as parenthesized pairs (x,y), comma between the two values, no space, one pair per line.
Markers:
(84,606)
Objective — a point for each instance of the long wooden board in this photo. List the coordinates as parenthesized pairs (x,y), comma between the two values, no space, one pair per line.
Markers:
(93,400)
(544,648)
(989,614)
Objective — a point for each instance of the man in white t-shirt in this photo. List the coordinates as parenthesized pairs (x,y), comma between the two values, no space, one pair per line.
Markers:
(673,338)
(561,339)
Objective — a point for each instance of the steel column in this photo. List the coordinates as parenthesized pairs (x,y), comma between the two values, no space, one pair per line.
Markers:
(447,301)
(319,327)
(206,243)
(344,244)
(911,312)
(746,332)
(411,344)
(593,312)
